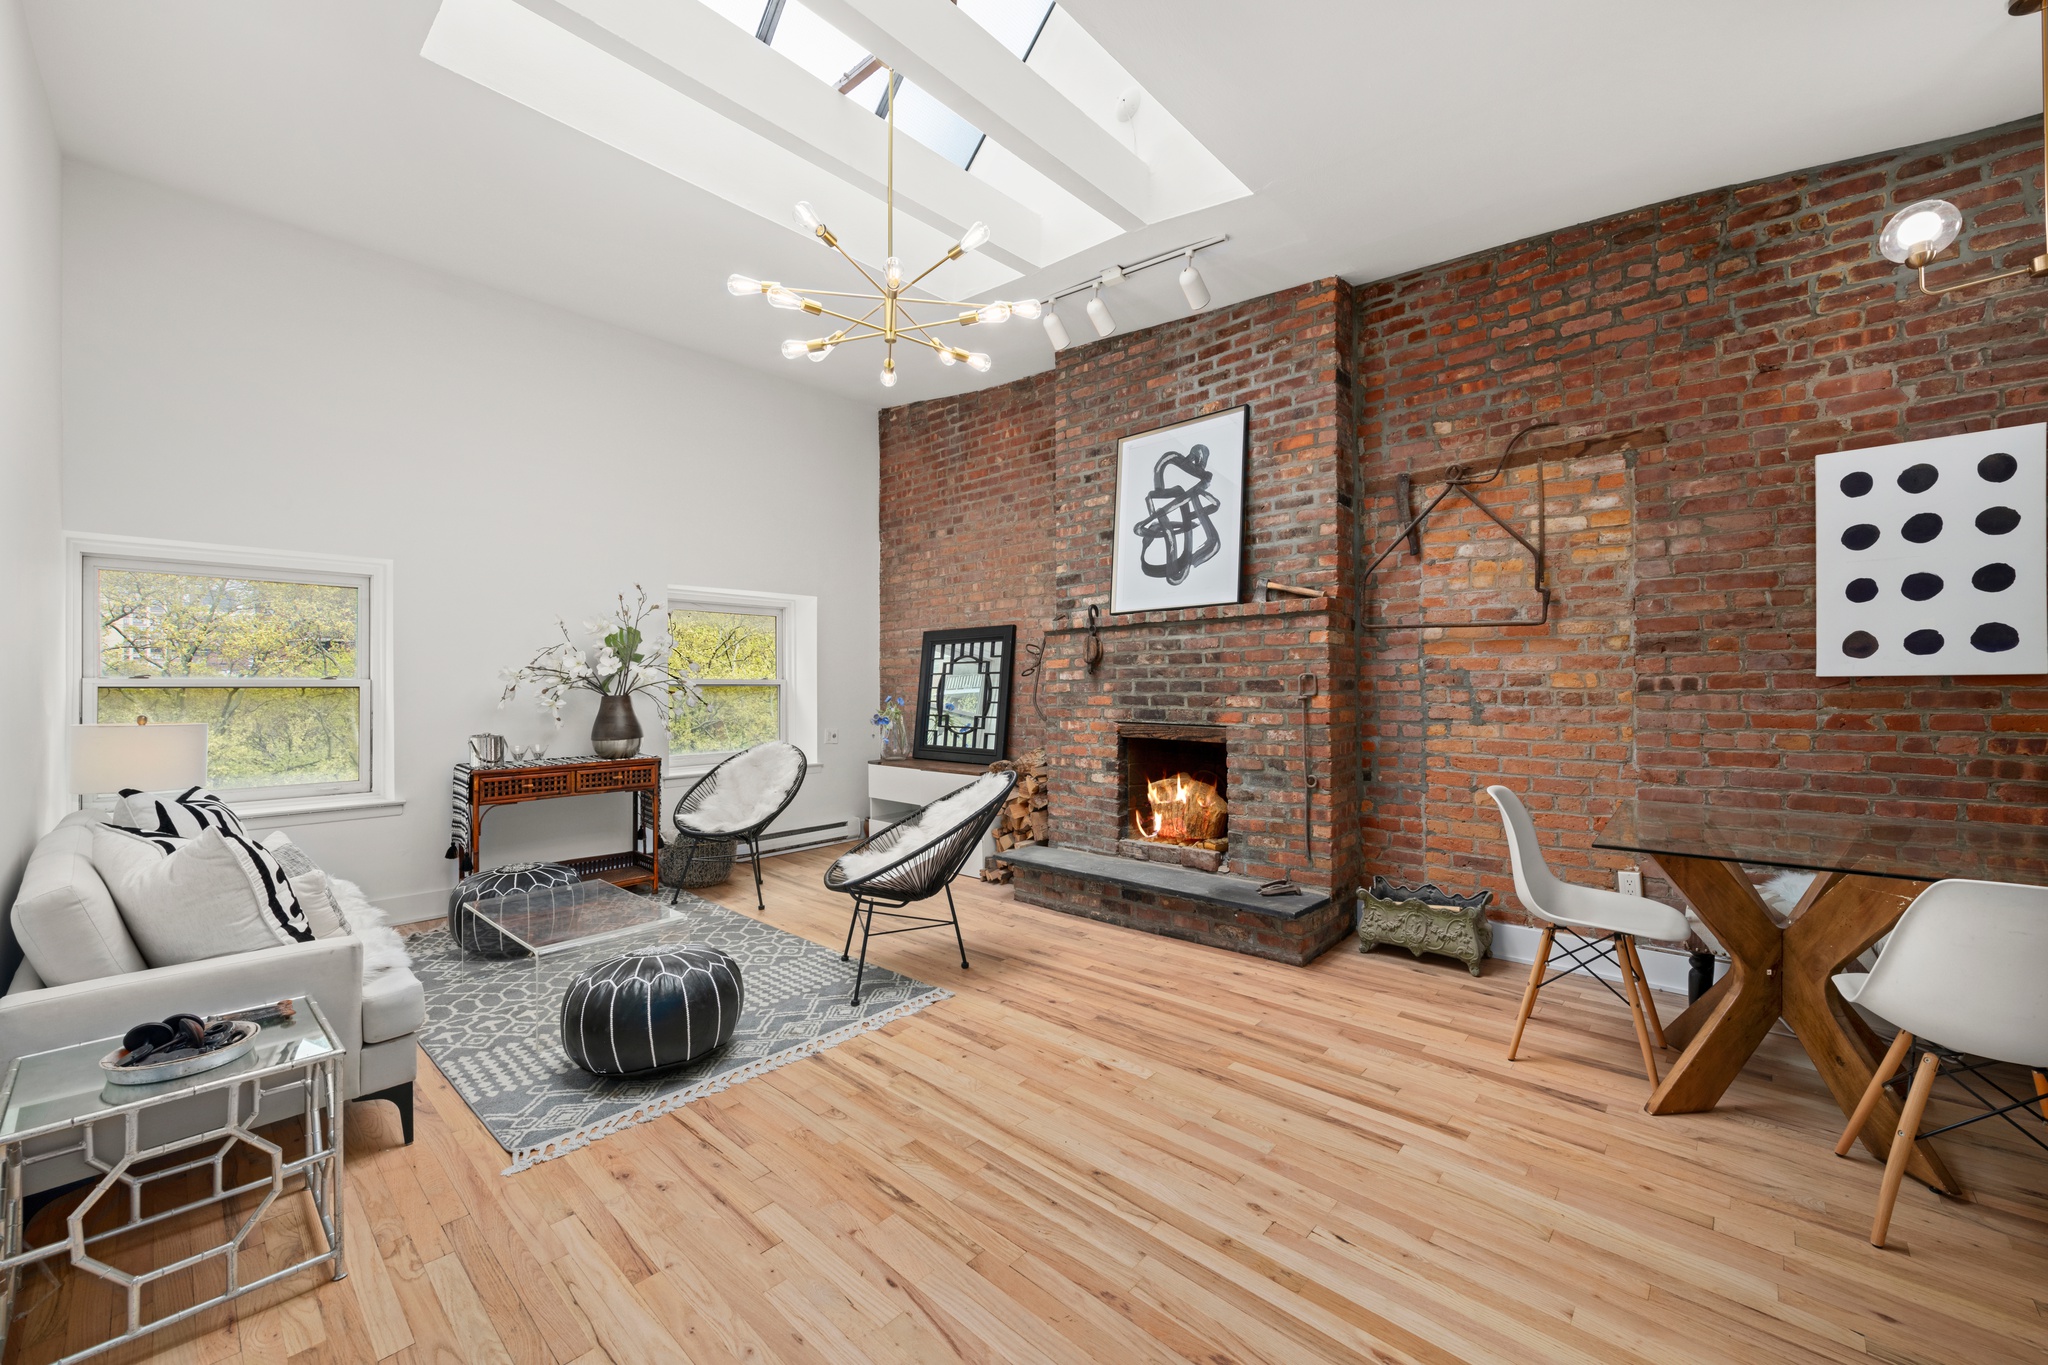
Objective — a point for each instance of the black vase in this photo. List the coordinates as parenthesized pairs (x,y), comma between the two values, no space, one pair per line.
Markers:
(616,731)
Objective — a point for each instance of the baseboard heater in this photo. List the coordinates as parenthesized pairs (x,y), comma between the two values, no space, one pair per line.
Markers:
(779,841)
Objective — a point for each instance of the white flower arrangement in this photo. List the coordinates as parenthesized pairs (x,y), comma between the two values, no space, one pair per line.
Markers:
(614,668)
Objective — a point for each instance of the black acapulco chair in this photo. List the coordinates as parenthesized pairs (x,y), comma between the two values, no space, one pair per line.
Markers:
(930,861)
(704,813)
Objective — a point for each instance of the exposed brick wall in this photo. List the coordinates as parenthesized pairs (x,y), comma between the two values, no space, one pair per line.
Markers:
(966,526)
(1022,477)
(1758,327)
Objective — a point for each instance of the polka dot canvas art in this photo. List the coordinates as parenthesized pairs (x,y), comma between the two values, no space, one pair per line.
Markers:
(1932,556)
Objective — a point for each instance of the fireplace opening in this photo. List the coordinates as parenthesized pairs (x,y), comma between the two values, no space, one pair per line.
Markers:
(1175,790)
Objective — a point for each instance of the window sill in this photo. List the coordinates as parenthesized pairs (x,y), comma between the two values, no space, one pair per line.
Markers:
(319,810)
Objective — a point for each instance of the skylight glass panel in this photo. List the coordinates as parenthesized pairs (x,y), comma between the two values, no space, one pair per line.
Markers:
(1013,23)
(921,116)
(815,45)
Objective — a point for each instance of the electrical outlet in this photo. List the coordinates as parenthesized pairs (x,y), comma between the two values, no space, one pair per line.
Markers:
(1629,881)
(831,736)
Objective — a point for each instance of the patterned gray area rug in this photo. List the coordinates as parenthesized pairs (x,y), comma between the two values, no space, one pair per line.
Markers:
(494,1027)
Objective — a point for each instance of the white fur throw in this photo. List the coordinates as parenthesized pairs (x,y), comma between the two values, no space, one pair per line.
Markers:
(749,788)
(383,949)
(925,828)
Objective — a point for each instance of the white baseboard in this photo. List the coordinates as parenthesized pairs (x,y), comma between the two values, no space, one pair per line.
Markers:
(1667,969)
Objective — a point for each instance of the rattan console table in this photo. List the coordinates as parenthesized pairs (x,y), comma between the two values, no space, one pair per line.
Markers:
(485,785)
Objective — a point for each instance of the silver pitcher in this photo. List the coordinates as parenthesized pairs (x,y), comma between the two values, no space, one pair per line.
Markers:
(487,748)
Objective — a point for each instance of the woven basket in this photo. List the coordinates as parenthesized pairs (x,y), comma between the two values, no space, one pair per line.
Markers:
(710,864)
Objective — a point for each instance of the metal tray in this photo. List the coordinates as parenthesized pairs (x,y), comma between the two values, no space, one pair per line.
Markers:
(153,1073)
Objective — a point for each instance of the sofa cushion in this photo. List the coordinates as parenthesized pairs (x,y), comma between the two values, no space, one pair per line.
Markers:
(393,1005)
(185,900)
(64,918)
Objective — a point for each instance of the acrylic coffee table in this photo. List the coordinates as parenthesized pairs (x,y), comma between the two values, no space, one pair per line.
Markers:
(60,1103)
(537,923)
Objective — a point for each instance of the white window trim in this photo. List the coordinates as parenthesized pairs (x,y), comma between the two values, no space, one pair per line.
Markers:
(381,798)
(799,647)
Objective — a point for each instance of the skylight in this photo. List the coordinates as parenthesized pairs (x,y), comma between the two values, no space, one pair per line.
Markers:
(790,28)
(1013,23)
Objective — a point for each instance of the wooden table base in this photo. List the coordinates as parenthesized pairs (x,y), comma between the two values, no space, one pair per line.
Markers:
(1787,973)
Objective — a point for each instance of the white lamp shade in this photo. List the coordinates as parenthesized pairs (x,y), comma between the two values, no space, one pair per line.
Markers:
(110,758)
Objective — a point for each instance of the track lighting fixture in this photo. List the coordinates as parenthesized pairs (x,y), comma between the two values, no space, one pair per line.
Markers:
(1194,286)
(1098,313)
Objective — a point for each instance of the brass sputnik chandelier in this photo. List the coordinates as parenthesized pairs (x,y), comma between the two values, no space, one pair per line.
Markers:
(892,293)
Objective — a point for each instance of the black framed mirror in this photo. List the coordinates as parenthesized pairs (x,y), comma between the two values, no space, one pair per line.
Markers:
(963,695)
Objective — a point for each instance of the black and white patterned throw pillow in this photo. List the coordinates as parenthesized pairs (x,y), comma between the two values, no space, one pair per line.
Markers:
(190,813)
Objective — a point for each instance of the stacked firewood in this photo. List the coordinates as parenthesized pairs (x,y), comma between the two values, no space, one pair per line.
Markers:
(1023,818)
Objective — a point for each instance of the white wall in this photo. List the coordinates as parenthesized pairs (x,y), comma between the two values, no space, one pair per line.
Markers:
(29,545)
(231,380)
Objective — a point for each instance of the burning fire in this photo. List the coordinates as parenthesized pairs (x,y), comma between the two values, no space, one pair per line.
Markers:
(1185,810)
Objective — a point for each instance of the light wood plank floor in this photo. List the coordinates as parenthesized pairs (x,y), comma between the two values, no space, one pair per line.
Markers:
(1114,1147)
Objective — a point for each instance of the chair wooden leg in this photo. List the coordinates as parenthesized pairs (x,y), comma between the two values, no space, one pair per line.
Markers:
(1902,1146)
(1886,1069)
(1536,970)
(1635,959)
(1635,1006)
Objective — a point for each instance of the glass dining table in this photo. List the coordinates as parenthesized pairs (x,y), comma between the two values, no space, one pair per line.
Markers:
(1868,869)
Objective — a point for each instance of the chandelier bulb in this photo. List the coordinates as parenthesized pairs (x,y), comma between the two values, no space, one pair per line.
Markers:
(947,356)
(998,311)
(822,352)
(893,273)
(975,237)
(1028,309)
(889,372)
(808,217)
(794,349)
(785,298)
(978,362)
(739,286)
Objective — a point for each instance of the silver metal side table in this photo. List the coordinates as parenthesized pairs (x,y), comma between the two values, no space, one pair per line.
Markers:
(58,1103)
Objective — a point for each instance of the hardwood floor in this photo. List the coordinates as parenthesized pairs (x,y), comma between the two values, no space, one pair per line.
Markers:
(1115,1147)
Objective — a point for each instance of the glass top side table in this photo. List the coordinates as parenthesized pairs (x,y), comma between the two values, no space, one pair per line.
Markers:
(60,1103)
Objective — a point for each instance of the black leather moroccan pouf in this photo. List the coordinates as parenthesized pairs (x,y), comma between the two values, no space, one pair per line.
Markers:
(648,1011)
(510,880)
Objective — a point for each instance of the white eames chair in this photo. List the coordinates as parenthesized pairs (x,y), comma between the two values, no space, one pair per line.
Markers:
(1964,966)
(1606,923)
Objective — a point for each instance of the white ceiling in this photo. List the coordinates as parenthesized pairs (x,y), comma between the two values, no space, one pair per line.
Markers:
(1374,135)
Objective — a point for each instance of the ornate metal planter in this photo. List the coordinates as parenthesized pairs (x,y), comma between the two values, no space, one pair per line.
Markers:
(1425,919)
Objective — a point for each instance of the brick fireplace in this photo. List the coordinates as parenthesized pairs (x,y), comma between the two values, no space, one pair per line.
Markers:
(1262,693)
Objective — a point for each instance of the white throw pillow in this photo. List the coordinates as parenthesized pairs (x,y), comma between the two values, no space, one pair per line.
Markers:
(188,813)
(310,884)
(185,900)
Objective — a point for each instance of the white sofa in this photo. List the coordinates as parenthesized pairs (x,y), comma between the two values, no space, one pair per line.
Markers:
(82,978)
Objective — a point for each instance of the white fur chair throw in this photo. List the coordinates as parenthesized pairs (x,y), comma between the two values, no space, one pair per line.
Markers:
(749,788)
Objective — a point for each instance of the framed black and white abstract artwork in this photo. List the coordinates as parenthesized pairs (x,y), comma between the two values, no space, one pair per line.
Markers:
(1932,556)
(963,695)
(1179,533)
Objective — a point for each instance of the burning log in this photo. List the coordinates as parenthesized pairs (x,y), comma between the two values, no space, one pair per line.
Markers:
(1184,810)
(1024,818)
